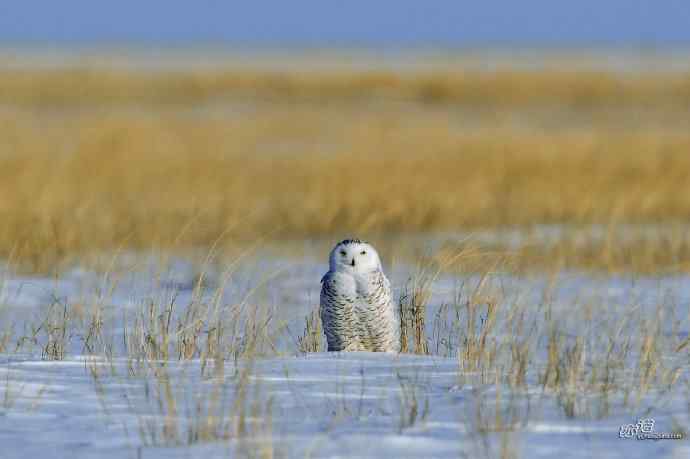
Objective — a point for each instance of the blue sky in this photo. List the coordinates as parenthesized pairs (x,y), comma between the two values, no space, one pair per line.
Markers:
(347,23)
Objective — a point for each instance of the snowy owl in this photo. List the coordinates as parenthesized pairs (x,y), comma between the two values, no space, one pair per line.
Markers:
(356,308)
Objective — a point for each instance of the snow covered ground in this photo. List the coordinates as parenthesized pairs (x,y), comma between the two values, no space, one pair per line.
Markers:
(355,405)
(329,405)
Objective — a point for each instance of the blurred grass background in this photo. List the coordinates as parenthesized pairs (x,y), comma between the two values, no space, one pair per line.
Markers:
(100,159)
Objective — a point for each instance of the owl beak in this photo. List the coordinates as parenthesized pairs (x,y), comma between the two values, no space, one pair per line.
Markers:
(353,262)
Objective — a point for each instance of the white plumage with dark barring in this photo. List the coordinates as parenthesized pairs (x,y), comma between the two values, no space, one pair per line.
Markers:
(357,310)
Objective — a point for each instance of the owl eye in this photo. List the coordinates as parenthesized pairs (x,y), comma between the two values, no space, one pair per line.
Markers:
(342,252)
(363,252)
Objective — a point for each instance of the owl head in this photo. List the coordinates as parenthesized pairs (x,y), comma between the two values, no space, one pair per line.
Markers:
(354,256)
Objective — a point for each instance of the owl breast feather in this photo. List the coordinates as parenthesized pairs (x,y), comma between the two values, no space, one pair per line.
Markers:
(357,314)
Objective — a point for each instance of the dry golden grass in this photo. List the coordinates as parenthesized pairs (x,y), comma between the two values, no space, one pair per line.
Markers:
(95,160)
(506,88)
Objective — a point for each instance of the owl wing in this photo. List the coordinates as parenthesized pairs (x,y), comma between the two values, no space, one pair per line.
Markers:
(336,315)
